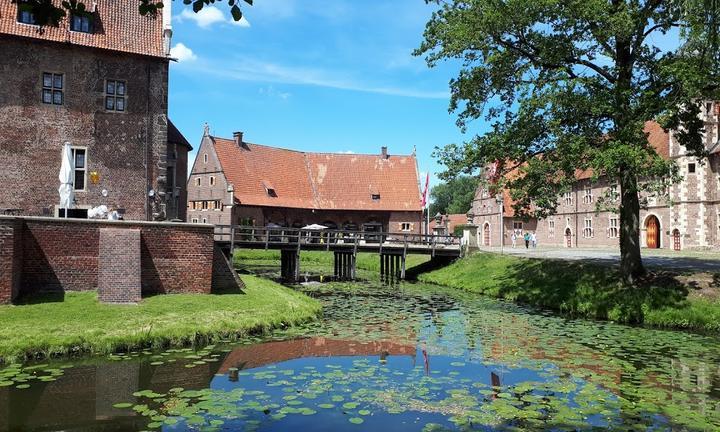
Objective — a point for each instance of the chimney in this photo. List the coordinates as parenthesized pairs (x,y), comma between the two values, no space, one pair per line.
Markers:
(383,152)
(238,136)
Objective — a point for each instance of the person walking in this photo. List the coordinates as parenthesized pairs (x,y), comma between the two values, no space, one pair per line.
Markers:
(513,237)
(533,239)
(526,237)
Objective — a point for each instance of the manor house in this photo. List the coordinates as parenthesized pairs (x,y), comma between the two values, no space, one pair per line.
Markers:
(688,217)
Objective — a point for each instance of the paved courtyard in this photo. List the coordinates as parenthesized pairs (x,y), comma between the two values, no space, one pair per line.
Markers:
(667,259)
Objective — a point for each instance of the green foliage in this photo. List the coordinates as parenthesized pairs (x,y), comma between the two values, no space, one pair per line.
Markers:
(453,196)
(47,13)
(578,290)
(569,85)
(43,327)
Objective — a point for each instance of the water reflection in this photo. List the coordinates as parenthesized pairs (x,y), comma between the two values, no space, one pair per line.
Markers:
(401,358)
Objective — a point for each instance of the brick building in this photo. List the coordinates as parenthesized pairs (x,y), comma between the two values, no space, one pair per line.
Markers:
(100,82)
(687,217)
(236,182)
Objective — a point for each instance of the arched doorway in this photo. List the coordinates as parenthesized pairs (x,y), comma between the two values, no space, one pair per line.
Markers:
(676,239)
(652,232)
(486,234)
(568,237)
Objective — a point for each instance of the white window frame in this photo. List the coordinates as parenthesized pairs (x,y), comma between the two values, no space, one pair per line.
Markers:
(73,149)
(613,226)
(551,228)
(568,198)
(212,180)
(588,231)
(588,195)
(115,96)
(194,220)
(405,226)
(516,224)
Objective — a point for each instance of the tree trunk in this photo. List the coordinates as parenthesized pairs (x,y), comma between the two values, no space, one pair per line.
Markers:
(631,266)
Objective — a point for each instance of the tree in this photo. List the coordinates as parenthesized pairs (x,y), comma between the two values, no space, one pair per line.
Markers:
(453,196)
(568,85)
(49,13)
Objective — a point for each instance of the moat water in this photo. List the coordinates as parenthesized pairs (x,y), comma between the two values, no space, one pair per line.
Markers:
(407,357)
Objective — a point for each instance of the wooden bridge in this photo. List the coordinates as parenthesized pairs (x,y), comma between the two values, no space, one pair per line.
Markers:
(392,248)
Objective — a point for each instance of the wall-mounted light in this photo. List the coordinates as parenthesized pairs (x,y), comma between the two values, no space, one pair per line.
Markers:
(94,177)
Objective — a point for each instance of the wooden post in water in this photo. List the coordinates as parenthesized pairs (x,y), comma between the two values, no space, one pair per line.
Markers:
(290,265)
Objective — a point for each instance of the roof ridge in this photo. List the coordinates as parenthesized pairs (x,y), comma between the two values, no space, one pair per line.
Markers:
(313,152)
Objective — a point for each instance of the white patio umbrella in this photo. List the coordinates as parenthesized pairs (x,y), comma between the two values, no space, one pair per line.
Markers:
(314,227)
(66,179)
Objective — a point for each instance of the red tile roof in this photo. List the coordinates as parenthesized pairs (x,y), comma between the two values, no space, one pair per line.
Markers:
(328,181)
(118,27)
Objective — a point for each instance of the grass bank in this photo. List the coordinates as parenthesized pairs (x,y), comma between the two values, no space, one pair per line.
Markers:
(79,324)
(365,260)
(583,290)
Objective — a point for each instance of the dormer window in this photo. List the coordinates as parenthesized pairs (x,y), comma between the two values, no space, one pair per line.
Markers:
(269,189)
(376,197)
(25,14)
(81,23)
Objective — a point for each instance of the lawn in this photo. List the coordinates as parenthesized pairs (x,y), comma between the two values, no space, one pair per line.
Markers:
(581,290)
(78,323)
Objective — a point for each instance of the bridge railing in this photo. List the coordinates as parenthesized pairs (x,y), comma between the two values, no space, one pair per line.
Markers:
(272,236)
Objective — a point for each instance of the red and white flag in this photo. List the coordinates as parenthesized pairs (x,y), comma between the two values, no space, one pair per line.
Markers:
(425,190)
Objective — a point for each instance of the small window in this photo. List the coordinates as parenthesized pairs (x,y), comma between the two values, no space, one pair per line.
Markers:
(52,88)
(517,226)
(198,181)
(376,197)
(588,228)
(614,192)
(205,158)
(568,198)
(218,205)
(25,14)
(691,168)
(614,228)
(212,180)
(81,23)
(80,160)
(204,220)
(194,220)
(115,95)
(204,205)
(405,226)
(588,196)
(551,228)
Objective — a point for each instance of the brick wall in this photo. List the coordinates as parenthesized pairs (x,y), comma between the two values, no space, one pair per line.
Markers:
(10,259)
(62,255)
(119,272)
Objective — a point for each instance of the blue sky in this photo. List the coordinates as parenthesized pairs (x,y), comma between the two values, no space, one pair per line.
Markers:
(312,75)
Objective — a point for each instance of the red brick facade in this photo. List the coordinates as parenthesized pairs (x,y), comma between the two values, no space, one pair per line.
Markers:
(63,255)
(129,152)
(689,217)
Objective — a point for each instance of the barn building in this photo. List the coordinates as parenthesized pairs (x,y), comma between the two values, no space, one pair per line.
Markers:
(236,182)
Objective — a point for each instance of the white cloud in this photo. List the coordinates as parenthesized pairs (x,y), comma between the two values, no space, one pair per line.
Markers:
(210,15)
(242,23)
(182,53)
(271,91)
(247,69)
